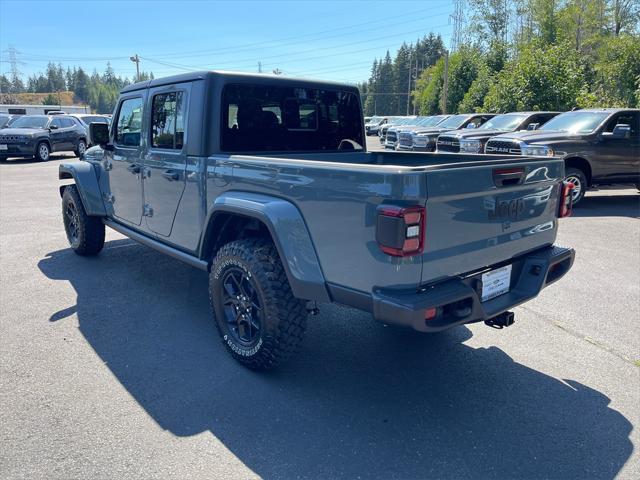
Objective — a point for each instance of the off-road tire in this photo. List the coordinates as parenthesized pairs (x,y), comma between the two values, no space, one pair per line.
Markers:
(85,233)
(284,317)
(39,155)
(576,173)
(81,148)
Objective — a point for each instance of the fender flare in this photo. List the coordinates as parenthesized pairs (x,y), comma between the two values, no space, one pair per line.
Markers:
(86,181)
(290,236)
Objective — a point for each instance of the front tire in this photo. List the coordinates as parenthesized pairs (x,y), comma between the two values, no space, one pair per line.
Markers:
(85,233)
(43,152)
(579,180)
(260,321)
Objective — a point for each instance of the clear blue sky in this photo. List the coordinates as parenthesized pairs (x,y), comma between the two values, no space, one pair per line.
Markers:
(335,40)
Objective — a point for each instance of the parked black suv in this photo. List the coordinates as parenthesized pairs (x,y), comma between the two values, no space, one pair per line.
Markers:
(600,146)
(39,135)
(473,140)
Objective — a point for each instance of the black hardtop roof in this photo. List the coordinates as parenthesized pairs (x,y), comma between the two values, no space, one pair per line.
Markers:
(242,77)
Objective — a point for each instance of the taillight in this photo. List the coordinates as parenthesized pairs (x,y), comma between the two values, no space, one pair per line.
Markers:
(566,199)
(400,230)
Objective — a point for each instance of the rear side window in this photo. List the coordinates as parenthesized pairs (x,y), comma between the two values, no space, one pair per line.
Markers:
(167,121)
(129,122)
(259,118)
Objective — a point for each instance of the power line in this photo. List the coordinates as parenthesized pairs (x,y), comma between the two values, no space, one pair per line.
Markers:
(294,40)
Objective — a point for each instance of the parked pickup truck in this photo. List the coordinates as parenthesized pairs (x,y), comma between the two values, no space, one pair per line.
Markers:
(265,183)
(599,146)
(473,140)
(425,138)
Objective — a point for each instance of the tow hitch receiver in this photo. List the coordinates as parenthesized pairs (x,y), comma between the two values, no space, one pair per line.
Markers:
(505,319)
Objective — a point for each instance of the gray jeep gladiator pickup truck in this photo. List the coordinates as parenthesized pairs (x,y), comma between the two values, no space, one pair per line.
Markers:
(265,183)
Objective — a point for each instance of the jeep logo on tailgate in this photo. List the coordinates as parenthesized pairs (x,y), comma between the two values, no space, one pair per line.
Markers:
(507,210)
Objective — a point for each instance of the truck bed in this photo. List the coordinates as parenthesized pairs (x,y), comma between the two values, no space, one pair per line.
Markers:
(472,222)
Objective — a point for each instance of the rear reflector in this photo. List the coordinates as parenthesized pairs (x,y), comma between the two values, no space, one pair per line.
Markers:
(566,199)
(400,231)
(430,313)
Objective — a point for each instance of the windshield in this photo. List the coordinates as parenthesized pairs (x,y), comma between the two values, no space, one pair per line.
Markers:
(29,121)
(505,123)
(432,121)
(454,122)
(374,120)
(576,122)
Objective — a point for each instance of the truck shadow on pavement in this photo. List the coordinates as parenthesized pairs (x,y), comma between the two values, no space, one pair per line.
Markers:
(361,400)
(608,206)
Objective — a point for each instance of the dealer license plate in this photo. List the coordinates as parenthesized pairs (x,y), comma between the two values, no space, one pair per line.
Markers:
(496,282)
(3,146)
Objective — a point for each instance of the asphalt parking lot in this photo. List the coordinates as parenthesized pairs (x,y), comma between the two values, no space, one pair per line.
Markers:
(111,367)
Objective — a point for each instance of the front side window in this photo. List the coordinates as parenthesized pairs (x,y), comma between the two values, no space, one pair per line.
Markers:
(129,123)
(67,122)
(57,122)
(627,118)
(280,118)
(167,121)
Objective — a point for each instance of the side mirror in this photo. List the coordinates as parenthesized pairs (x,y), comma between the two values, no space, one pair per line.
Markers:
(53,127)
(620,131)
(533,126)
(99,133)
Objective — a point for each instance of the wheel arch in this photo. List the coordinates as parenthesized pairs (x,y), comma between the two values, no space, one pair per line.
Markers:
(236,215)
(86,181)
(581,164)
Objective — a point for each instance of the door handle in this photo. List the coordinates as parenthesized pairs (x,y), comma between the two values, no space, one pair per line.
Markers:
(171,175)
(134,168)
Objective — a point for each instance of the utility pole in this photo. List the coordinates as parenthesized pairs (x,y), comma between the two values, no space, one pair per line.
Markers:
(136,59)
(259,67)
(409,89)
(445,89)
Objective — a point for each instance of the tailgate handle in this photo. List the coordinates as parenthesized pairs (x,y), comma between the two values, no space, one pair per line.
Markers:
(505,177)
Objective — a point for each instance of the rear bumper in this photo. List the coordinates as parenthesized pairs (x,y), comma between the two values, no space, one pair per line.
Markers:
(457,301)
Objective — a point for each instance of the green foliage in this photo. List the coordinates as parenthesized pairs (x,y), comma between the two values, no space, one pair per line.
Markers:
(616,75)
(473,100)
(552,54)
(50,99)
(99,91)
(391,80)
(538,78)
(429,89)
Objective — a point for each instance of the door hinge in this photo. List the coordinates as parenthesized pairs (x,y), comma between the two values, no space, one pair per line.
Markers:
(108,165)
(147,211)
(108,198)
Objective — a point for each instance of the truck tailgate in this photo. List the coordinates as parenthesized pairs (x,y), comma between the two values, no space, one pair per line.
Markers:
(480,215)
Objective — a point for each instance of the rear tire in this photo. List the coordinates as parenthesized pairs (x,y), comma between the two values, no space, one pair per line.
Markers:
(579,180)
(260,321)
(85,233)
(81,148)
(43,152)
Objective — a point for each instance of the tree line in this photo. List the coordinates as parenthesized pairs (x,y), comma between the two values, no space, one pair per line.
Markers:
(517,55)
(99,91)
